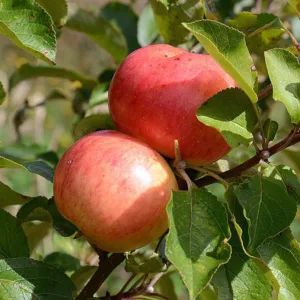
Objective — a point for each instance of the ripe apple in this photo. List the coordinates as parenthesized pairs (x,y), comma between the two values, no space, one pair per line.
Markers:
(115,189)
(155,94)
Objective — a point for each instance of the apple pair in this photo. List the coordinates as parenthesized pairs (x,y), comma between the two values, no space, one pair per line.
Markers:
(115,187)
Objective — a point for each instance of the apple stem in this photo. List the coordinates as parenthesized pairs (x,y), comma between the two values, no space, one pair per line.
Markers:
(212,174)
(180,166)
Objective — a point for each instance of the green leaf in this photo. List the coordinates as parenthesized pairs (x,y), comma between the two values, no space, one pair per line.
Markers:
(228,47)
(62,261)
(170,14)
(270,129)
(147,28)
(25,278)
(81,276)
(29,27)
(263,31)
(34,210)
(99,95)
(241,277)
(126,19)
(60,224)
(232,113)
(282,255)
(267,207)
(284,72)
(27,71)
(153,265)
(2,93)
(93,123)
(13,242)
(57,9)
(37,167)
(287,177)
(197,241)
(10,197)
(296,6)
(101,31)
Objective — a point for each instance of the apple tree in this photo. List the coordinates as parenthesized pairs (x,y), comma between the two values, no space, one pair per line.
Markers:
(176,173)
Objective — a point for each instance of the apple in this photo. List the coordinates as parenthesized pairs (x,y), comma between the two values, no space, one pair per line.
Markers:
(115,189)
(154,96)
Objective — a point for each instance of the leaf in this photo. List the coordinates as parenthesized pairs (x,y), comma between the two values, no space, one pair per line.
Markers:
(81,276)
(2,93)
(232,113)
(57,9)
(296,6)
(99,95)
(10,197)
(287,177)
(13,242)
(93,123)
(29,27)
(282,255)
(41,168)
(60,224)
(152,265)
(25,278)
(147,29)
(241,277)
(34,210)
(62,261)
(126,19)
(270,129)
(197,241)
(284,72)
(228,47)
(169,15)
(267,207)
(263,31)
(100,31)
(27,71)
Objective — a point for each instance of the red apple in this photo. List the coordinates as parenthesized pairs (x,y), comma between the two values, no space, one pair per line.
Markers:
(155,94)
(115,189)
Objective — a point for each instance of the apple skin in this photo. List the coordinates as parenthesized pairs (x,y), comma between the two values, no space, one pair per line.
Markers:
(154,96)
(115,189)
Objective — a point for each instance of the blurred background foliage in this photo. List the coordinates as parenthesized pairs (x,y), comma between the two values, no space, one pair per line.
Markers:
(38,118)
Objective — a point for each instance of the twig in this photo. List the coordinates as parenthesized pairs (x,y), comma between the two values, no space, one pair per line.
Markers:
(106,266)
(123,289)
(265,92)
(236,171)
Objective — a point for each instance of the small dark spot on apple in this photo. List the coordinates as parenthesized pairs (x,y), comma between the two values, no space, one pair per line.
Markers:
(177,58)
(166,55)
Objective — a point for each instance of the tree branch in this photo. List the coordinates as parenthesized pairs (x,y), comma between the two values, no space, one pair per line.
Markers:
(290,140)
(106,266)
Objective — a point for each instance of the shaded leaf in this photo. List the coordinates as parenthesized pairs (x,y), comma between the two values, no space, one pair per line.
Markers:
(228,47)
(81,276)
(126,19)
(41,168)
(35,209)
(25,278)
(13,242)
(170,14)
(197,241)
(270,129)
(101,31)
(232,113)
(27,71)
(93,123)
(287,177)
(267,207)
(2,93)
(282,255)
(10,197)
(296,6)
(147,28)
(284,72)
(152,265)
(57,9)
(99,95)
(62,261)
(29,27)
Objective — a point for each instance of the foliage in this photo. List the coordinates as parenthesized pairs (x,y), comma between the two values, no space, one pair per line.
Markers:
(234,232)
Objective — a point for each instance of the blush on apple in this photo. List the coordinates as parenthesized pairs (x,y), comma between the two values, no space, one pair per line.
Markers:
(155,94)
(115,189)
